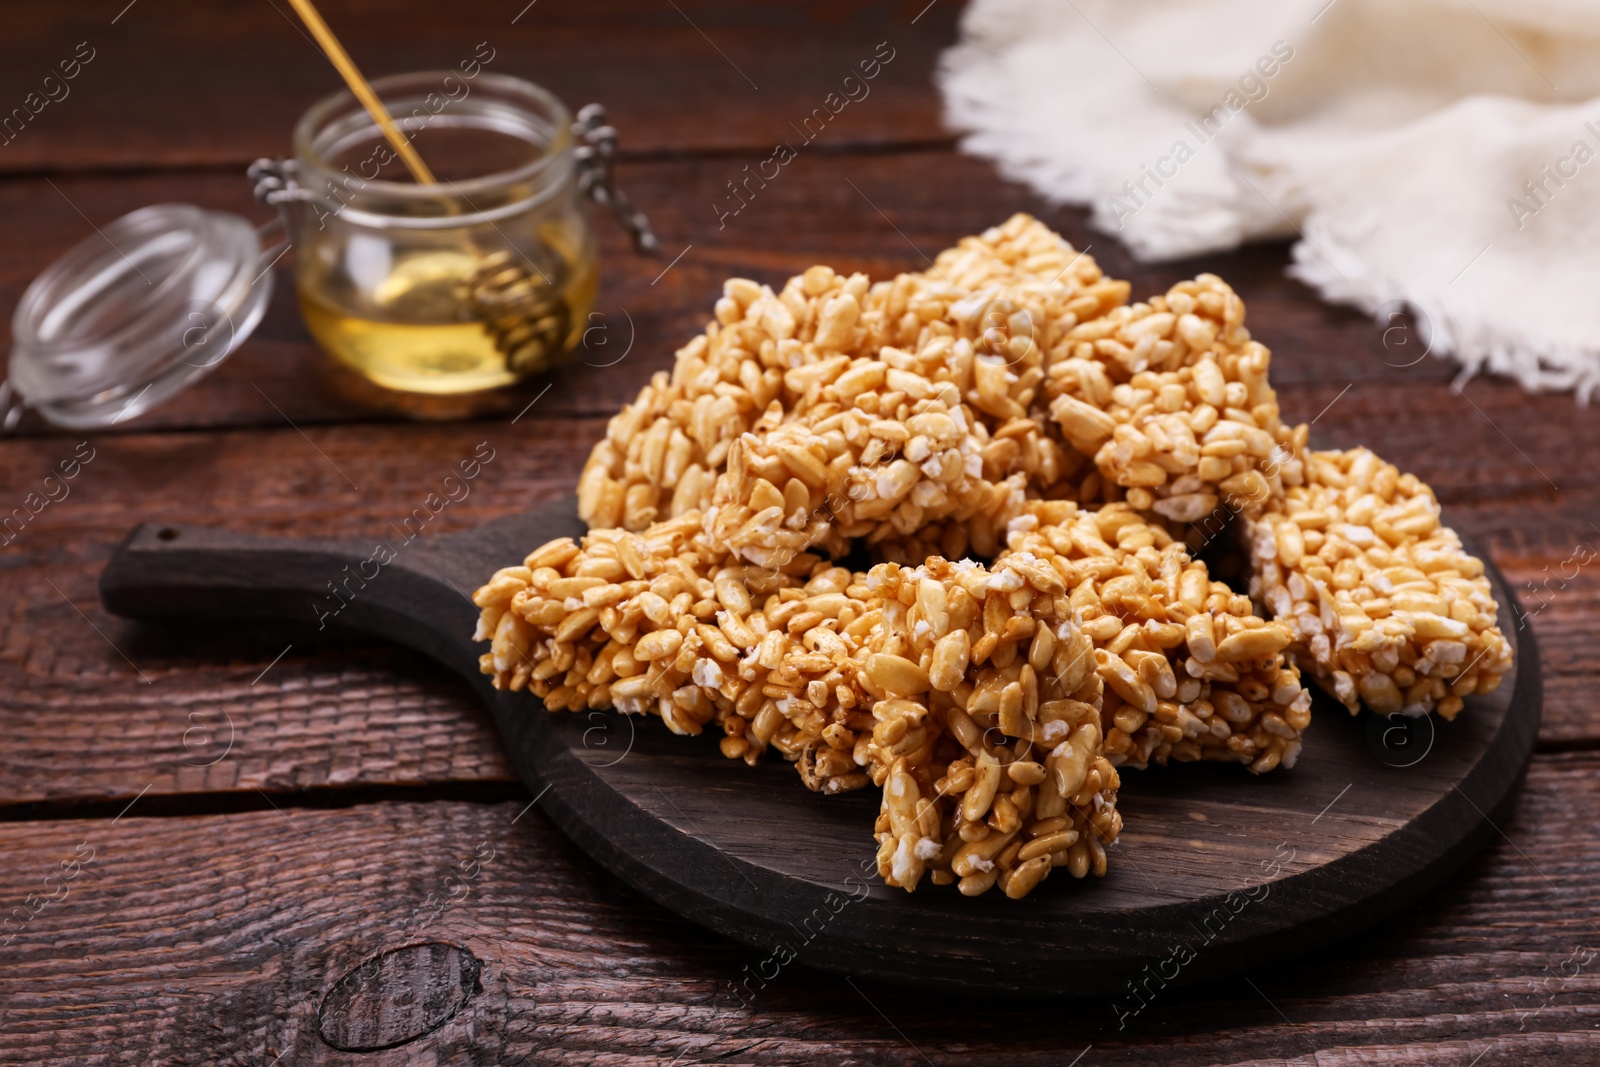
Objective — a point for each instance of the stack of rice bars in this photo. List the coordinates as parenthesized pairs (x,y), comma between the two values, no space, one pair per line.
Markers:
(1007,403)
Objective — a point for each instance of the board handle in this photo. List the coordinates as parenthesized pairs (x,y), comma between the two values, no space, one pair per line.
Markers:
(167,571)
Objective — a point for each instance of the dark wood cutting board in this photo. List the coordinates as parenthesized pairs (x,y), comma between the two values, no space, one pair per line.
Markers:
(1217,870)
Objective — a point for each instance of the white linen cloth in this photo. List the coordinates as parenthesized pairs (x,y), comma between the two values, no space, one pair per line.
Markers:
(1440,153)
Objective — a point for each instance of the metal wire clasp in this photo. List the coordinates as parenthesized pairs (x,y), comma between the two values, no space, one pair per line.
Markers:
(275,186)
(596,149)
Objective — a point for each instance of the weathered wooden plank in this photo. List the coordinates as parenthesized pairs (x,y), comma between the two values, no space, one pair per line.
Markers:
(157,707)
(236,77)
(217,938)
(333,717)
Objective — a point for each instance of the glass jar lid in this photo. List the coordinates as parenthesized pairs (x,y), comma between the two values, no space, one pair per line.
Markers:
(134,313)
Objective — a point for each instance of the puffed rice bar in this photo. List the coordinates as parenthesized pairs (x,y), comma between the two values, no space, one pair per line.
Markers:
(1387,608)
(1171,397)
(663,622)
(1191,672)
(878,448)
(988,742)
(1010,291)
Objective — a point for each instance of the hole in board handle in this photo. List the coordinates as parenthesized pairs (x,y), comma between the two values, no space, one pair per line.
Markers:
(167,533)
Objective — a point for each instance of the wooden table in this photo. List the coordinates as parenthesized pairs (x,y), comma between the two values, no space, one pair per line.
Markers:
(206,827)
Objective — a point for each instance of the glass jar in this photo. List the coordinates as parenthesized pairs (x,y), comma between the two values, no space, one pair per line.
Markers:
(470,283)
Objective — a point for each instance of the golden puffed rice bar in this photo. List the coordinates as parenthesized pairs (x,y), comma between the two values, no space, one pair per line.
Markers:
(665,623)
(1243,704)
(881,447)
(988,739)
(1171,398)
(1117,625)
(1007,292)
(1387,608)
(1191,672)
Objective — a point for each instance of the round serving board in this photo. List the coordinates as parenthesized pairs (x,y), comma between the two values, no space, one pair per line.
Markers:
(1216,869)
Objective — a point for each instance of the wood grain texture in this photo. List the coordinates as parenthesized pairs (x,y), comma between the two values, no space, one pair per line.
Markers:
(211,940)
(217,84)
(337,716)
(177,962)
